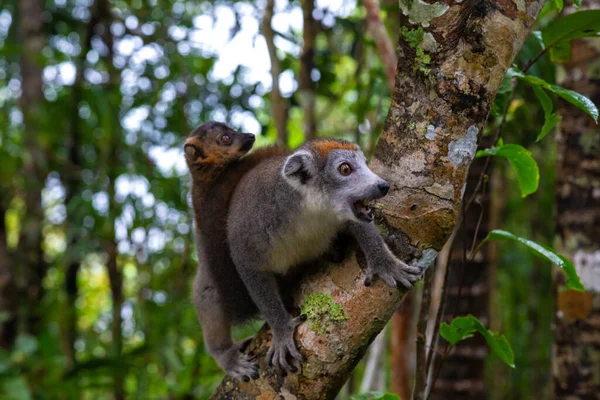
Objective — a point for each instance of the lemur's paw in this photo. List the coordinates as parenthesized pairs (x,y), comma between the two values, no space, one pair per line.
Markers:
(394,272)
(240,365)
(283,344)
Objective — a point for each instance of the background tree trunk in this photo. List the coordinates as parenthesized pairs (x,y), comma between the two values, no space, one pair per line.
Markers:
(468,292)
(306,86)
(8,290)
(428,142)
(279,106)
(30,260)
(402,348)
(577,318)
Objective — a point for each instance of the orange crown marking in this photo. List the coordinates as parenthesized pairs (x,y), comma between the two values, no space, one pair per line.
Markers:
(324,147)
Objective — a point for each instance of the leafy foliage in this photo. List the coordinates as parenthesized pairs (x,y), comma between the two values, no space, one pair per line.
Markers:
(462,328)
(521,161)
(562,262)
(550,119)
(571,96)
(561,31)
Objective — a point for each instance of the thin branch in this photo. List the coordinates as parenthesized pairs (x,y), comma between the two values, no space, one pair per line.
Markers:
(421,373)
(279,106)
(307,63)
(382,40)
(373,365)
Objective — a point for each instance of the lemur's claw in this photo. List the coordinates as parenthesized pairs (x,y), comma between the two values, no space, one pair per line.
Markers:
(395,272)
(284,345)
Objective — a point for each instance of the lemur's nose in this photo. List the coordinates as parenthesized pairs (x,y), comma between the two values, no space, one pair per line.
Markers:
(383,187)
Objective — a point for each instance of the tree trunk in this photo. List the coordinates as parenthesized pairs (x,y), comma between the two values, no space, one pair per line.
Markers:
(382,40)
(468,292)
(30,259)
(576,359)
(428,142)
(279,106)
(306,87)
(8,289)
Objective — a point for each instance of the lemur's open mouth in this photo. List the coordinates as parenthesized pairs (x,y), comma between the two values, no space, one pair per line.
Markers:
(363,210)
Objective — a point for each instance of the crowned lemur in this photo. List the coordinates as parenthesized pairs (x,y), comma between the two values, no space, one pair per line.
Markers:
(261,215)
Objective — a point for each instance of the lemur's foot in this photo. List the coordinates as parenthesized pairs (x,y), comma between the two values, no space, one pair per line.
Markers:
(283,344)
(394,271)
(237,364)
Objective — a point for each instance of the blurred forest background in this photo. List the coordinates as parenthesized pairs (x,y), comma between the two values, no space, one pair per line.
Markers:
(96,243)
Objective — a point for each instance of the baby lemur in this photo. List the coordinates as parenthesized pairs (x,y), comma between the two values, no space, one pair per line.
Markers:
(213,153)
(285,211)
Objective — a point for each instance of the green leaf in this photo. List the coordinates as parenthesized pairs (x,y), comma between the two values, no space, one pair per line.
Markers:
(571,96)
(577,4)
(375,396)
(562,262)
(559,5)
(561,52)
(577,100)
(521,161)
(538,36)
(550,119)
(465,327)
(576,25)
(502,96)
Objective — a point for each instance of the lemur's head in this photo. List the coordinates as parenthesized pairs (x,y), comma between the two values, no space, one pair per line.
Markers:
(214,143)
(335,171)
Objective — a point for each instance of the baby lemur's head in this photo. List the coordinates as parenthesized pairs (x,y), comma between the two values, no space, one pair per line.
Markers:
(214,143)
(334,173)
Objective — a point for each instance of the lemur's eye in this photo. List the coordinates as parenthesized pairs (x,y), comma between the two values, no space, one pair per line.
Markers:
(226,139)
(345,169)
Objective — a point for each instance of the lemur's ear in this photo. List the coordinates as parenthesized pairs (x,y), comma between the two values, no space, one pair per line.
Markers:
(192,152)
(299,165)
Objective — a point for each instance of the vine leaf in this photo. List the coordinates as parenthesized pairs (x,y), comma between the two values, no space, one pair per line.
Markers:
(550,118)
(562,262)
(577,99)
(462,328)
(521,161)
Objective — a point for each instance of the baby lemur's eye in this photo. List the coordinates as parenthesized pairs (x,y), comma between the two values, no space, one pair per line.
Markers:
(226,139)
(345,169)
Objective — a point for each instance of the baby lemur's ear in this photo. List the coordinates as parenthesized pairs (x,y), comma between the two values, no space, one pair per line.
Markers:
(299,165)
(193,152)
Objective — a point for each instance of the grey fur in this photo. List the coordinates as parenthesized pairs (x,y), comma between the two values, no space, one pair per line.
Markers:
(287,211)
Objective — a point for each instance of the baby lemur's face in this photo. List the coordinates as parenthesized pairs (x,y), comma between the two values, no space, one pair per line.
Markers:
(336,172)
(215,143)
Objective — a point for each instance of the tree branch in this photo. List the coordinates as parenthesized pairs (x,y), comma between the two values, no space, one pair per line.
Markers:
(382,40)
(278,104)
(427,145)
(306,85)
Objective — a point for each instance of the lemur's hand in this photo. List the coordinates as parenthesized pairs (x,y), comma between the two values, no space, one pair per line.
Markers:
(393,270)
(283,344)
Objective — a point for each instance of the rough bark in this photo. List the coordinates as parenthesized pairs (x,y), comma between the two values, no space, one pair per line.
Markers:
(30,257)
(382,40)
(576,355)
(279,106)
(468,292)
(306,86)
(428,142)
